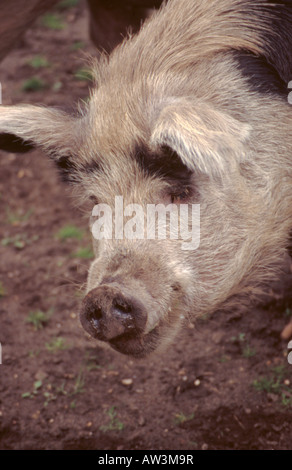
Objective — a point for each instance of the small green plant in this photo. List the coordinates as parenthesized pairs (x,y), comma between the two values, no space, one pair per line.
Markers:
(49,396)
(182,418)
(17,216)
(224,358)
(91,362)
(266,384)
(2,290)
(61,389)
(57,86)
(239,338)
(70,231)
(83,74)
(18,241)
(52,21)
(84,253)
(33,84)
(247,351)
(77,45)
(288,312)
(38,318)
(114,423)
(34,353)
(275,383)
(286,398)
(79,383)
(52,393)
(36,386)
(56,344)
(64,4)
(39,62)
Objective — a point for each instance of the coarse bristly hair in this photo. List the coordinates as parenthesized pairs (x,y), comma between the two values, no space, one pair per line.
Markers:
(192,109)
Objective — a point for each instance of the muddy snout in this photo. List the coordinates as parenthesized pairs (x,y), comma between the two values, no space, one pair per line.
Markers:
(109,313)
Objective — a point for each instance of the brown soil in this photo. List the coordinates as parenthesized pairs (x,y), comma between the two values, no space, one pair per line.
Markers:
(225,383)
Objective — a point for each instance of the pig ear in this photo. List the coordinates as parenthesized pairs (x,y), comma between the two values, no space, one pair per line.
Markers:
(206,139)
(27,126)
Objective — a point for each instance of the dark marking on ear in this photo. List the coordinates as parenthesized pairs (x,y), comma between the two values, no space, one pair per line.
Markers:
(14,144)
(262,77)
(165,164)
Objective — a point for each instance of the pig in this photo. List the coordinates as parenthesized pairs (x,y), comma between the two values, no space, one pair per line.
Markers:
(193,110)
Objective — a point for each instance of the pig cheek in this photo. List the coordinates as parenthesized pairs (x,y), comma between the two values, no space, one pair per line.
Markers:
(94,275)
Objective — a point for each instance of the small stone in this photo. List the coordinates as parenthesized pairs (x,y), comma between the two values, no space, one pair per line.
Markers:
(127,382)
(141,421)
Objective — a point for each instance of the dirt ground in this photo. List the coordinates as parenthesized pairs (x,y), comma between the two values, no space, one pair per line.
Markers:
(224,384)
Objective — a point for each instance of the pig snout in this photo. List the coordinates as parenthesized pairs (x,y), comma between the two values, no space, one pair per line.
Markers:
(108,314)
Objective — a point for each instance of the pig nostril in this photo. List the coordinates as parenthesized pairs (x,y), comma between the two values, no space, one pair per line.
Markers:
(121,306)
(96,313)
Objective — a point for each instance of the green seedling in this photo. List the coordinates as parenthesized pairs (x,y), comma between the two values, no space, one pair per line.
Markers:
(224,358)
(57,86)
(90,362)
(65,4)
(239,338)
(286,398)
(70,231)
(61,390)
(182,418)
(114,423)
(266,384)
(84,253)
(34,353)
(33,84)
(52,21)
(38,318)
(56,344)
(288,312)
(274,383)
(39,62)
(79,383)
(49,396)
(18,241)
(247,351)
(77,45)
(16,217)
(2,290)
(15,241)
(36,386)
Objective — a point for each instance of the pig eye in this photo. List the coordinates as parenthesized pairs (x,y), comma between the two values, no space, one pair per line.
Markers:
(93,199)
(178,198)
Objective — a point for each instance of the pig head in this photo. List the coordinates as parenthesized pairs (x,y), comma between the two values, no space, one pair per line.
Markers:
(192,110)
